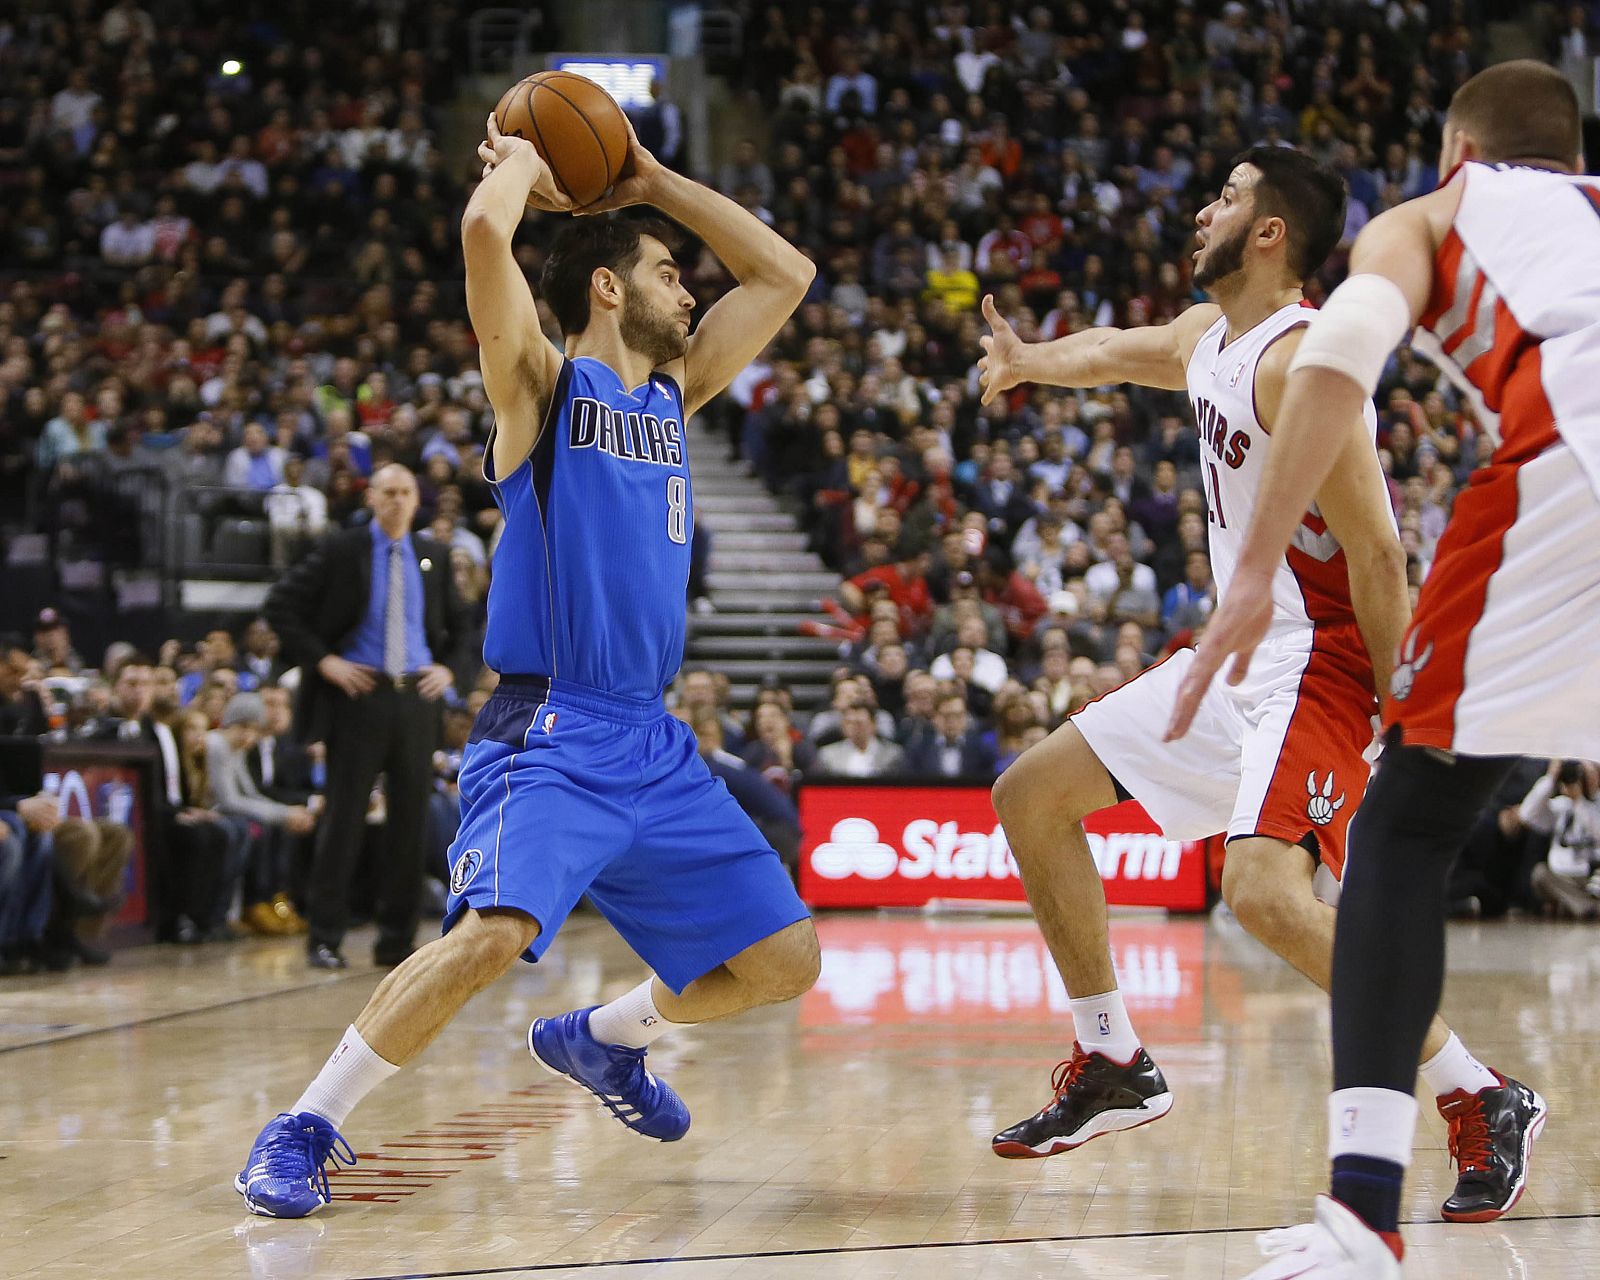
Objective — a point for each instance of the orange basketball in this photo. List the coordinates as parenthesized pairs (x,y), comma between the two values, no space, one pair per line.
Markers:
(576,126)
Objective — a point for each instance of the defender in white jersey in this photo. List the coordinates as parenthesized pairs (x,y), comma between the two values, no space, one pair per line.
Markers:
(1498,271)
(1277,763)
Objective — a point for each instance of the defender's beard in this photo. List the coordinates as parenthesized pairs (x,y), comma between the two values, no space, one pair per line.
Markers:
(1221,260)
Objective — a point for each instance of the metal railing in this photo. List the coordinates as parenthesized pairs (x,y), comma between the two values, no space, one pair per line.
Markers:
(721,34)
(239,534)
(500,41)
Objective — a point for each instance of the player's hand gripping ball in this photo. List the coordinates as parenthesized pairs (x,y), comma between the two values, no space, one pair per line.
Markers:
(576,127)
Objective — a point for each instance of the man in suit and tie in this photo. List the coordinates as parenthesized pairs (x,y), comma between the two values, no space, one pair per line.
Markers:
(373,620)
(954,749)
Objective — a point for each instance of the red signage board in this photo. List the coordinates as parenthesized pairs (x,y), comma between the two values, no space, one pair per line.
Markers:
(90,786)
(876,845)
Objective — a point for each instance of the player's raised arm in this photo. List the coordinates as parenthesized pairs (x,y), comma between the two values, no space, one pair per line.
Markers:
(1336,368)
(1354,503)
(773,275)
(1152,356)
(519,363)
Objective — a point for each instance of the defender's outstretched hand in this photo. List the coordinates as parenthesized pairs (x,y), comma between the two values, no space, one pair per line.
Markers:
(998,368)
(1236,628)
(543,194)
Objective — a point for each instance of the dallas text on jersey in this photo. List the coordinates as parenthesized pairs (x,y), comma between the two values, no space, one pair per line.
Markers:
(633,437)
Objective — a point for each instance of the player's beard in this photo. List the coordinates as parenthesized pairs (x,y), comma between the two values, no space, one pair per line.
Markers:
(1221,259)
(653,333)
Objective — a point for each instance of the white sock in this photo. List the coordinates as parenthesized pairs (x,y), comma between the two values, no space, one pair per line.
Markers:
(349,1075)
(1453,1068)
(1103,1027)
(1376,1123)
(630,1019)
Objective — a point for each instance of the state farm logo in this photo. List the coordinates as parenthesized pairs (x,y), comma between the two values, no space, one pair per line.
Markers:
(942,851)
(854,850)
(1135,855)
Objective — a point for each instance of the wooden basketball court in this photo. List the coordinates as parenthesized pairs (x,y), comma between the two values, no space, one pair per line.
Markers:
(846,1135)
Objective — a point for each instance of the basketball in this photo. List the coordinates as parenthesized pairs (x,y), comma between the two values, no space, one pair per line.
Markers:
(576,126)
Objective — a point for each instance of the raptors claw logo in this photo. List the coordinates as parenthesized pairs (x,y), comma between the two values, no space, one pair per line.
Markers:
(1322,806)
(1411,662)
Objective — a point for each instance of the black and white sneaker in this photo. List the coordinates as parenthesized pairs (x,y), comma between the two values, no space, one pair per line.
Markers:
(1093,1096)
(1492,1133)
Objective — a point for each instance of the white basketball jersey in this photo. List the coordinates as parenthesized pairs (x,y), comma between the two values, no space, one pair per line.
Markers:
(1514,317)
(1312,586)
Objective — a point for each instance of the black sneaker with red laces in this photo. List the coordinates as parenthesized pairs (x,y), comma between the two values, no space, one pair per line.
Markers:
(1093,1096)
(1492,1133)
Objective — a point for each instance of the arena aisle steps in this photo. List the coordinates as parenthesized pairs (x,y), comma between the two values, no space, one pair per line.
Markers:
(763,582)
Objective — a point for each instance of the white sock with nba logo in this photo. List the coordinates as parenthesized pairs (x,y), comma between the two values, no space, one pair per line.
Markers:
(632,1019)
(1103,1027)
(350,1074)
(1453,1069)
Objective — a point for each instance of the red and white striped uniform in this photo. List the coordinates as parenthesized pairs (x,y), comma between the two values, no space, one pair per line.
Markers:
(1503,656)
(1282,754)
(1312,586)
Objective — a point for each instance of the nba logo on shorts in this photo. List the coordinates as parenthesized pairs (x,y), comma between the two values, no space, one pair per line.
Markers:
(1105,1024)
(466,867)
(550,722)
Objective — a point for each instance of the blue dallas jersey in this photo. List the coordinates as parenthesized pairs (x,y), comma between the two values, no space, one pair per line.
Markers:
(592,569)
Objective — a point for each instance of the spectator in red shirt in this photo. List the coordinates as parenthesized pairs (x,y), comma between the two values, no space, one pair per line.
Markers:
(906,583)
(1019,601)
(1042,226)
(1000,151)
(1005,244)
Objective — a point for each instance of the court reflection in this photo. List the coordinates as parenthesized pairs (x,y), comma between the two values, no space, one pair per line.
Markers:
(889,969)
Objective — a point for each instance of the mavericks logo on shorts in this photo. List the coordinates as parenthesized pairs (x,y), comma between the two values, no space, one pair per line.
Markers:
(466,867)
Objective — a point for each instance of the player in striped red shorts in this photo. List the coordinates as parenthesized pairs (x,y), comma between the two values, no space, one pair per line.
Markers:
(1278,763)
(1499,660)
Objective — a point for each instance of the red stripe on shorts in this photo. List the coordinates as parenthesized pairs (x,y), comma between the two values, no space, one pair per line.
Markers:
(1329,729)
(1434,653)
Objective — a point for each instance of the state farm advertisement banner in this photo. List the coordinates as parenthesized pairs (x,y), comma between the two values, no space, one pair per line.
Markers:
(877,845)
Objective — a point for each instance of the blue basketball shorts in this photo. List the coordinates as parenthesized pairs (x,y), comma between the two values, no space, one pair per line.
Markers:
(567,790)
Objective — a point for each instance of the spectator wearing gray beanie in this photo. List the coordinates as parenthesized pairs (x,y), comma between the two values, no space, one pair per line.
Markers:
(238,797)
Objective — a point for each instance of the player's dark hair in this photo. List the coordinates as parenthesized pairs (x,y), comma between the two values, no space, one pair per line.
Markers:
(581,248)
(1309,197)
(1522,111)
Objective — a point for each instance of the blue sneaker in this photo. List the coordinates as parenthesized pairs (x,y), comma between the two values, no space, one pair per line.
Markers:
(285,1174)
(614,1073)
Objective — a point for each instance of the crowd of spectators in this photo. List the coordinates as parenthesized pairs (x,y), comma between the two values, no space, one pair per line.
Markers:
(232,260)
(244,277)
(236,799)
(238,792)
(1031,554)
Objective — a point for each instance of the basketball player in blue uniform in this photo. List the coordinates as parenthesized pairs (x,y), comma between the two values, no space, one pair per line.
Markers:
(576,779)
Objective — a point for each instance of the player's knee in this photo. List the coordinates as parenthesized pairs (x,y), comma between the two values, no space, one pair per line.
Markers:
(789,967)
(1259,903)
(1022,792)
(489,944)
(805,964)
(1003,795)
(1027,792)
